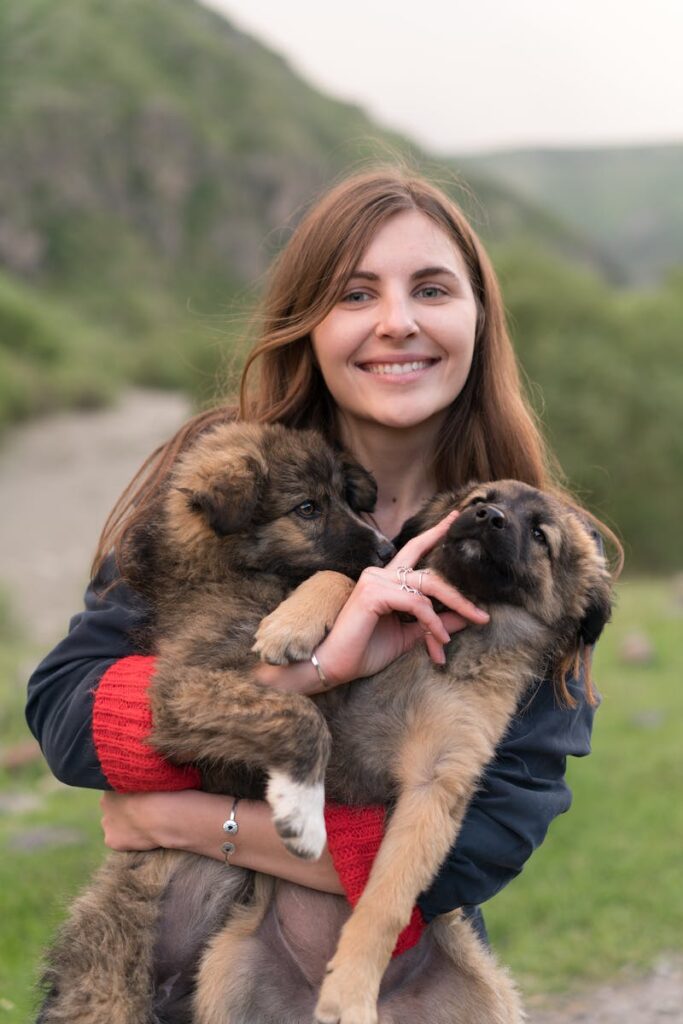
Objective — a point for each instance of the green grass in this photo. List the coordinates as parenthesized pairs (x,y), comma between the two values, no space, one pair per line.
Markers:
(602,893)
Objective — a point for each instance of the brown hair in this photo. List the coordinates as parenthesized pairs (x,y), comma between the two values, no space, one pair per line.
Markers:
(489,432)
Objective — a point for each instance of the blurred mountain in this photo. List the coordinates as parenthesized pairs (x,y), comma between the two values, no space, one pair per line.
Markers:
(149,149)
(629,200)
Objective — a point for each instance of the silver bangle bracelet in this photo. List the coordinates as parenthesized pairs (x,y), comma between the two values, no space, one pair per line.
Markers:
(318,667)
(231,828)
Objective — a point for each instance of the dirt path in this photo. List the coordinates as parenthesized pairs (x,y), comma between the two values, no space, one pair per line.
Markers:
(59,478)
(656,998)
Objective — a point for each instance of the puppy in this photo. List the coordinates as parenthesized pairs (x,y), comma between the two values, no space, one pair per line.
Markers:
(249,512)
(416,737)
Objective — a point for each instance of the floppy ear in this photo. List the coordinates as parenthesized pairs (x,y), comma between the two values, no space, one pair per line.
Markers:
(229,503)
(359,485)
(596,616)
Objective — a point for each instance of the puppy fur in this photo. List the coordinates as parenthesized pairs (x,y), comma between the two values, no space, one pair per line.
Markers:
(249,512)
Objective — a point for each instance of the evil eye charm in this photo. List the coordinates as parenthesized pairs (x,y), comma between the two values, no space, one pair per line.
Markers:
(231,827)
(227,849)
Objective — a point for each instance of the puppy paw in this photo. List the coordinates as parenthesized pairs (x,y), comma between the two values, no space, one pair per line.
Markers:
(298,814)
(342,1002)
(282,638)
(298,625)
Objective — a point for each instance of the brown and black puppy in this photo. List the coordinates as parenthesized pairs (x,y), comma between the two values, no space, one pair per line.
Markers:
(417,737)
(248,514)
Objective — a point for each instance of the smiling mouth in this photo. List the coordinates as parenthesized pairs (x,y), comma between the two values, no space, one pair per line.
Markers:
(396,369)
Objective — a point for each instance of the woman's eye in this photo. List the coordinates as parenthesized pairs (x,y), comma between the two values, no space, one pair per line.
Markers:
(356,297)
(307,510)
(431,291)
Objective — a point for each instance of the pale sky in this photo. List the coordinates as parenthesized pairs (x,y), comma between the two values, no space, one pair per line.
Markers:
(460,76)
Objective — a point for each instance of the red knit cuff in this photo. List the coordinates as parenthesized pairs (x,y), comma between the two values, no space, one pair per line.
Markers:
(122,724)
(354,835)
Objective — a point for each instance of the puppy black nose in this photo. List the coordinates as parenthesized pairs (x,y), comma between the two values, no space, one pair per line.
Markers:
(491,515)
(386,551)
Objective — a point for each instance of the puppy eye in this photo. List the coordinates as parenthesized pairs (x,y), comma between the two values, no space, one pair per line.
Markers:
(476,501)
(307,510)
(538,534)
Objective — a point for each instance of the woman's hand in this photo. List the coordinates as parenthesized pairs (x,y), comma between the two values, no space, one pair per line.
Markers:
(130,821)
(192,821)
(369,634)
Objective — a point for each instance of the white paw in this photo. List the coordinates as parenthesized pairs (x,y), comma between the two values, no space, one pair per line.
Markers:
(298,814)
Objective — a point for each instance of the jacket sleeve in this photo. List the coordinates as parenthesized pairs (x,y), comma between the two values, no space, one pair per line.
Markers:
(96,677)
(522,790)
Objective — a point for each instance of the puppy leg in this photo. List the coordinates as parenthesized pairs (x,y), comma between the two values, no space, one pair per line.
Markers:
(101,966)
(226,717)
(296,627)
(437,781)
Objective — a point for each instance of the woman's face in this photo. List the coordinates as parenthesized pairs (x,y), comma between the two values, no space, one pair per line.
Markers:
(397,347)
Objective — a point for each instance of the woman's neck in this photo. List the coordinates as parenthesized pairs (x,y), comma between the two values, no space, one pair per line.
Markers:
(401,463)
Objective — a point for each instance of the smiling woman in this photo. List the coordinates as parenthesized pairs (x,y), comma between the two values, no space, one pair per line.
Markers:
(383,328)
(396,349)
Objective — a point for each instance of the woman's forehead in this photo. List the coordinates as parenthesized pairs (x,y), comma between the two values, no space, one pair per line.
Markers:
(409,241)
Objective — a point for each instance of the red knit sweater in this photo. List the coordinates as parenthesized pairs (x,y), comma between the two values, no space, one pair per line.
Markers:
(122,723)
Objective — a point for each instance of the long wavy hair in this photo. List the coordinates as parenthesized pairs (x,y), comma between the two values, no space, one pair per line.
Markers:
(489,430)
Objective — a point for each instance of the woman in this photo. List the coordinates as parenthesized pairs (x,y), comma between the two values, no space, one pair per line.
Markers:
(383,326)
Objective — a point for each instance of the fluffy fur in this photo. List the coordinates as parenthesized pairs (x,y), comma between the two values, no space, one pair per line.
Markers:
(415,737)
(250,512)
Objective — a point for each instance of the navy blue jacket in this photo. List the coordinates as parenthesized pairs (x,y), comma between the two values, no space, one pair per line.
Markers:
(523,789)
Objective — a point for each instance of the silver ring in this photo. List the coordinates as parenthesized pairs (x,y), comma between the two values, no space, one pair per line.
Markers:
(401,574)
(423,572)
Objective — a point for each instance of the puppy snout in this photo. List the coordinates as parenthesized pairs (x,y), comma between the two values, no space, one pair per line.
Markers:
(491,515)
(385,551)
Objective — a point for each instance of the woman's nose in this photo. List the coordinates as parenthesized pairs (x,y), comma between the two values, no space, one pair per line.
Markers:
(395,319)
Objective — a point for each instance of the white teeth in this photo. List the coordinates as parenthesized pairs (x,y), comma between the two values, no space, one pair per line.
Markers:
(397,368)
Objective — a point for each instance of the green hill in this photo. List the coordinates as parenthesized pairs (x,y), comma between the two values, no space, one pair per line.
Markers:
(628,201)
(154,159)
(152,150)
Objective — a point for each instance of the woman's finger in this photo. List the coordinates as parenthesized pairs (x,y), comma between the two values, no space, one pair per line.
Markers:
(415,632)
(428,584)
(434,586)
(417,547)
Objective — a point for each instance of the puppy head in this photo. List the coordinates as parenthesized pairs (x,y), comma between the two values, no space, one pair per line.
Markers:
(269,499)
(516,546)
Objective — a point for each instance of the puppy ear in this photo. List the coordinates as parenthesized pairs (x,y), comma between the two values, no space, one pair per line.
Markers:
(596,615)
(578,658)
(360,486)
(229,503)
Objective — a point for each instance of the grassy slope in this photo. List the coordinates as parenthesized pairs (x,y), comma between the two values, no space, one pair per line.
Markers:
(603,892)
(627,200)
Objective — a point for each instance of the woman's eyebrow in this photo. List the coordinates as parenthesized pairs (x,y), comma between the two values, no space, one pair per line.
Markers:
(364,275)
(434,272)
(417,275)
